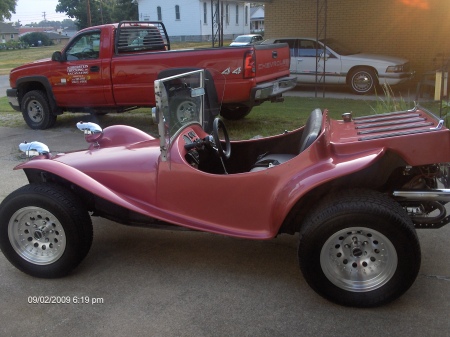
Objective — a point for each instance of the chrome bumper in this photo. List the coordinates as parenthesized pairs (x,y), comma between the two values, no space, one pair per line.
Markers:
(275,88)
(13,100)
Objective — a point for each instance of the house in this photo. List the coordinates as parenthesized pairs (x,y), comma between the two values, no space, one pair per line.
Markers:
(8,32)
(57,38)
(193,21)
(257,19)
(26,29)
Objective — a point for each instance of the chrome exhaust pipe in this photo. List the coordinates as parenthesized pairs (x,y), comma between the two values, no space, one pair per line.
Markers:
(421,203)
(424,195)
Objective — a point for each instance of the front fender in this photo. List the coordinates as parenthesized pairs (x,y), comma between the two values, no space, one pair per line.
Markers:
(318,174)
(85,182)
(27,83)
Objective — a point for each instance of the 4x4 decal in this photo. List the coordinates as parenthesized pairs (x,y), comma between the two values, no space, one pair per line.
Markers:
(228,71)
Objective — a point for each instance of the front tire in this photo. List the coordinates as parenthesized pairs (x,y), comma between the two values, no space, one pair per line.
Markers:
(36,110)
(359,249)
(45,231)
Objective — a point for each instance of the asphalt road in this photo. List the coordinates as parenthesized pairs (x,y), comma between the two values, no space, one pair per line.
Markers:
(144,282)
(4,84)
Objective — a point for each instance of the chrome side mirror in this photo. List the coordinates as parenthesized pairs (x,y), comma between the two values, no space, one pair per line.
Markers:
(92,132)
(34,149)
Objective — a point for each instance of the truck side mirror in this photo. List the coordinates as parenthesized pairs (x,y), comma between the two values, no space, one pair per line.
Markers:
(57,56)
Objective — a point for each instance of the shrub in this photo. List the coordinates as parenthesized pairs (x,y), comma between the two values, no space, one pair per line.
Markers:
(36,39)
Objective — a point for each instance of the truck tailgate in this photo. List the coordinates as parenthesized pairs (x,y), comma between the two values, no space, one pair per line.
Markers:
(272,61)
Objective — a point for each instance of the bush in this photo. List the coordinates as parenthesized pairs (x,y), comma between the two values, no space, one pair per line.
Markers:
(37,39)
(13,45)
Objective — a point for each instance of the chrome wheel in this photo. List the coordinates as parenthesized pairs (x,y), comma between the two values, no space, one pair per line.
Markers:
(186,112)
(35,111)
(46,230)
(36,235)
(363,81)
(358,259)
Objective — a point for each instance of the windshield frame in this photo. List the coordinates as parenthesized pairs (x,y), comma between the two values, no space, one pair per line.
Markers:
(169,91)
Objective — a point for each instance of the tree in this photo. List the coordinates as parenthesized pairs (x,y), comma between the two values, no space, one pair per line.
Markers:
(102,11)
(6,8)
(125,10)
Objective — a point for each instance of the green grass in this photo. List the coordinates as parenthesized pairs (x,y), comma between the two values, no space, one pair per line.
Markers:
(13,58)
(264,120)
(274,118)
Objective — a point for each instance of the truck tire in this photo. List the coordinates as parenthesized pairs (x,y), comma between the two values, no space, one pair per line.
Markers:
(363,80)
(184,109)
(45,230)
(360,249)
(234,112)
(36,110)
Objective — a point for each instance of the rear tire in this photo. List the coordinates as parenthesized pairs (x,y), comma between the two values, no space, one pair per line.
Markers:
(36,110)
(359,249)
(185,110)
(45,231)
(235,112)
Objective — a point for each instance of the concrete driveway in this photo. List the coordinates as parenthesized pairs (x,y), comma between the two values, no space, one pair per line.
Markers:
(143,282)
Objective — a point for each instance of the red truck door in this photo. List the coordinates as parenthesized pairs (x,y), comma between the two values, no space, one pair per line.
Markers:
(81,80)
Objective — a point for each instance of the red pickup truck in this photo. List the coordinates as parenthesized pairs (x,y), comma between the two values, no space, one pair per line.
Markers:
(112,67)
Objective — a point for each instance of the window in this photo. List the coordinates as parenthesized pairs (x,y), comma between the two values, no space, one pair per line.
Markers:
(227,14)
(237,14)
(177,12)
(205,13)
(158,11)
(246,15)
(85,47)
(308,48)
(292,46)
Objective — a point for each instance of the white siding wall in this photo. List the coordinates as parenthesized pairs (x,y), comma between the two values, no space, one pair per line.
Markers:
(191,21)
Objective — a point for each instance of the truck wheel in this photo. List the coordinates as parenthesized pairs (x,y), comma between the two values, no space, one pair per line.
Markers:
(359,249)
(363,80)
(184,110)
(235,112)
(36,110)
(45,230)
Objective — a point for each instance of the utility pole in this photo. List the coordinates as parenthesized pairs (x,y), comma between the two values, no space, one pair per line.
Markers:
(43,14)
(89,22)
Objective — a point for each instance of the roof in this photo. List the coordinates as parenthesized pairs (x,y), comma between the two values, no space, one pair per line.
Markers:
(7,29)
(54,36)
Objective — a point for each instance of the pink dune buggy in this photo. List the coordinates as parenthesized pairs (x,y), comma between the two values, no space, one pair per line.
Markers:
(354,189)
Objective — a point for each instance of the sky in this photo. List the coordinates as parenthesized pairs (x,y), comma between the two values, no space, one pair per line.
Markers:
(28,11)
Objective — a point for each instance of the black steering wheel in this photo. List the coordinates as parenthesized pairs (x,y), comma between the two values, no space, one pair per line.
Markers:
(220,125)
